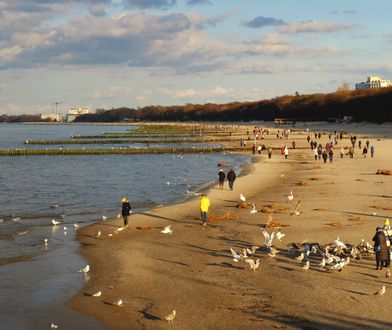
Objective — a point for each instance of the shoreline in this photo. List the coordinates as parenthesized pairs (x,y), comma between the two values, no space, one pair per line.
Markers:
(192,270)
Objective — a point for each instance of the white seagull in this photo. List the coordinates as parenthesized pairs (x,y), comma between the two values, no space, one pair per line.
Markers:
(97,294)
(242,198)
(280,235)
(54,326)
(75,225)
(296,210)
(273,252)
(381,291)
(167,230)
(98,235)
(85,270)
(289,198)
(253,210)
(300,257)
(268,238)
(253,265)
(306,266)
(104,218)
(55,223)
(118,302)
(170,318)
(236,256)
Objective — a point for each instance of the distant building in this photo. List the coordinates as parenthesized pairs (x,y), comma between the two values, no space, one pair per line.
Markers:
(53,117)
(373,82)
(75,112)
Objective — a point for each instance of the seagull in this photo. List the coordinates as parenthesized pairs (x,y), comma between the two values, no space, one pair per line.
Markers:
(242,198)
(46,241)
(85,270)
(170,318)
(252,250)
(119,229)
(296,211)
(253,265)
(118,302)
(167,230)
(279,235)
(55,223)
(290,197)
(97,294)
(98,235)
(65,228)
(55,206)
(381,291)
(104,218)
(306,266)
(388,273)
(15,219)
(236,256)
(340,244)
(273,252)
(253,210)
(300,257)
(54,326)
(268,238)
(322,263)
(75,225)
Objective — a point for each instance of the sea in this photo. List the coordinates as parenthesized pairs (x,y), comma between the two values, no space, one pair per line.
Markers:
(37,279)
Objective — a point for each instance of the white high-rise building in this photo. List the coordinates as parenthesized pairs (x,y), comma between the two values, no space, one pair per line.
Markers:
(374,82)
(75,112)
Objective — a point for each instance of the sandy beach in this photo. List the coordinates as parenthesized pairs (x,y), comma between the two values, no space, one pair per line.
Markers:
(192,270)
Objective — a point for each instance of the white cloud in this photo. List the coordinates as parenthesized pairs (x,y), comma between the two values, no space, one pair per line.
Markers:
(313,27)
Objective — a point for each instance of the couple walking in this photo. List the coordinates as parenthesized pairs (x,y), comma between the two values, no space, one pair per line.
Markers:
(231,176)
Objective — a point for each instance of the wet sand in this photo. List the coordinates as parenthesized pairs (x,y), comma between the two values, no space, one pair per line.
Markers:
(192,270)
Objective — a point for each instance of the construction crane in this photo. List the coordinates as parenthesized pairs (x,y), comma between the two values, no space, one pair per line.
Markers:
(56,104)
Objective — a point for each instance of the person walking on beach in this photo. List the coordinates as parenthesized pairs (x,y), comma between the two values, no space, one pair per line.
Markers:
(381,249)
(351,152)
(325,156)
(286,152)
(372,151)
(222,177)
(204,206)
(330,155)
(231,176)
(364,152)
(125,211)
(270,152)
(341,152)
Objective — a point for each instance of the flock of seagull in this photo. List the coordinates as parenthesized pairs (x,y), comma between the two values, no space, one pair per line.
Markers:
(334,256)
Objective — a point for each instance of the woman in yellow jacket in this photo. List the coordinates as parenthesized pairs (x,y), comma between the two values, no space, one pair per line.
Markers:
(204,205)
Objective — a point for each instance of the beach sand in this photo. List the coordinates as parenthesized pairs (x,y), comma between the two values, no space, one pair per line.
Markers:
(192,271)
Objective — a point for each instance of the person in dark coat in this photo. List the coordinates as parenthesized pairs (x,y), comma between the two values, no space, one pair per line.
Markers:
(125,211)
(222,177)
(231,178)
(325,156)
(381,249)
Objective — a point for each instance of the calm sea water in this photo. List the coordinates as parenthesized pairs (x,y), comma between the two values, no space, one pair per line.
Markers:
(36,281)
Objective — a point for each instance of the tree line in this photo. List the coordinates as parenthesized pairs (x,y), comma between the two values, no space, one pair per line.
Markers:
(363,105)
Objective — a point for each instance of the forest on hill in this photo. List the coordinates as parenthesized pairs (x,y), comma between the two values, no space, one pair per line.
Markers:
(364,105)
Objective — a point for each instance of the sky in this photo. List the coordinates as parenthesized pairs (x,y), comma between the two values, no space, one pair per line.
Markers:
(57,54)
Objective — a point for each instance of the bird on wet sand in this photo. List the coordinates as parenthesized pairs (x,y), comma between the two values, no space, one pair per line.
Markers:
(381,291)
(167,230)
(253,264)
(170,318)
(85,269)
